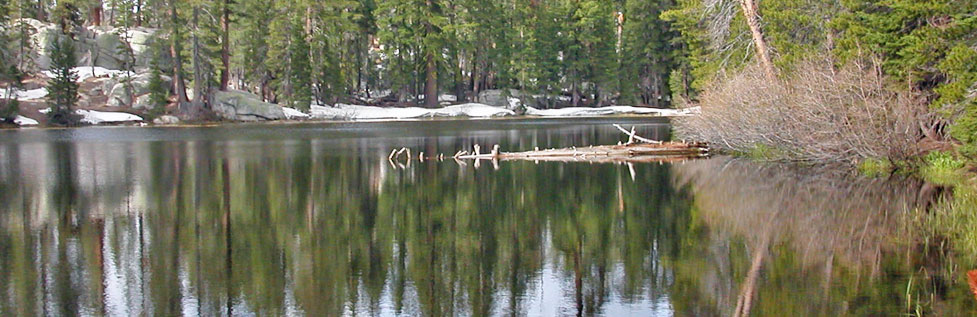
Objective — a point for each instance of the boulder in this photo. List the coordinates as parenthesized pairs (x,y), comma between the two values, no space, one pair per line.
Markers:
(512,100)
(166,120)
(142,102)
(242,106)
(119,94)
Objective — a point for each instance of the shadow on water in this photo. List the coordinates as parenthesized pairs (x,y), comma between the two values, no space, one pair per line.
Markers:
(304,219)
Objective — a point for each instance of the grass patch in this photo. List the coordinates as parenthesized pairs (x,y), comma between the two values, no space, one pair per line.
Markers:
(762,152)
(943,168)
(876,167)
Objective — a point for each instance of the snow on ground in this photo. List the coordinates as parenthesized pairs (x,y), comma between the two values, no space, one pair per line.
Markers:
(98,117)
(24,95)
(473,110)
(355,112)
(603,111)
(86,72)
(24,121)
(514,103)
(477,110)
(451,98)
(292,113)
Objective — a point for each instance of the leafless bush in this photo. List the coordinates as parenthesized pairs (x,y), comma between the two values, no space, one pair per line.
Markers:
(818,115)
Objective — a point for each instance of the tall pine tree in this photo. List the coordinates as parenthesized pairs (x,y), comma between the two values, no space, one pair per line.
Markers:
(63,86)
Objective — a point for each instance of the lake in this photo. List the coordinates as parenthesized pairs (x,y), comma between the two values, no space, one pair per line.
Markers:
(312,219)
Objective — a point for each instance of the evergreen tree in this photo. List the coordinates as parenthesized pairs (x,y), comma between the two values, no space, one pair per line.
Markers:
(204,50)
(288,54)
(647,55)
(9,75)
(159,93)
(413,32)
(250,45)
(62,88)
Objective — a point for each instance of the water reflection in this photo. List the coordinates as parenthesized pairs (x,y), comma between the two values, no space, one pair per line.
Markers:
(320,224)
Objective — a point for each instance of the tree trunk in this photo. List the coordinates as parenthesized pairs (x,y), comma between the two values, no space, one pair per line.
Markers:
(752,14)
(576,93)
(476,84)
(179,86)
(41,15)
(431,82)
(460,79)
(138,13)
(96,13)
(199,78)
(225,45)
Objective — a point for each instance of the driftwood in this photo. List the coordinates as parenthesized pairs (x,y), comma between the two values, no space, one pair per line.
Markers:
(637,150)
(613,152)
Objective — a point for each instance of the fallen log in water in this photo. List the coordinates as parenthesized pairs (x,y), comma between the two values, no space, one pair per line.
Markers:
(611,152)
(637,150)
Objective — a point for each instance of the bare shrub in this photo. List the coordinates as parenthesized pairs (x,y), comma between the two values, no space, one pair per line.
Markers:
(817,115)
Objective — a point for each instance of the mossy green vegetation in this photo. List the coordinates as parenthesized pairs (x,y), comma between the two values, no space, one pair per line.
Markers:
(874,167)
(943,168)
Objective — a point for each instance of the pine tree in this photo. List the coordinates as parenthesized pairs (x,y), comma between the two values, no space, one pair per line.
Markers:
(250,45)
(647,55)
(289,58)
(159,93)
(413,32)
(62,88)
(204,51)
(9,74)
(174,25)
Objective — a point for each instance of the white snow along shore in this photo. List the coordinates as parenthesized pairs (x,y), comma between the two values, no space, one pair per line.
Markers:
(355,112)
(292,113)
(24,121)
(98,117)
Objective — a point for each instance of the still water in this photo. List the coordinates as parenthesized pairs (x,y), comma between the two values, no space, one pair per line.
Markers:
(313,220)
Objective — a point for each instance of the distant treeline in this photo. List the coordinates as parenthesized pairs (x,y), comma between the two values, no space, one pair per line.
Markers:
(640,52)
(297,52)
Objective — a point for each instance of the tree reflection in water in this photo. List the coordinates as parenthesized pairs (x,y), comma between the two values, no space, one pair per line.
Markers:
(204,227)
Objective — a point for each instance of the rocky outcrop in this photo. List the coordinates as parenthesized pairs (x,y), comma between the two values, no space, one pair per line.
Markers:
(121,94)
(512,99)
(166,120)
(95,45)
(242,106)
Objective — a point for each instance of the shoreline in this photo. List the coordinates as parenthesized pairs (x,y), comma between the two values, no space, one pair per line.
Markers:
(212,124)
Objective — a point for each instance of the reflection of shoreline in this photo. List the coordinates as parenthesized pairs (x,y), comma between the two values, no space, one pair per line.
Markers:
(822,218)
(146,226)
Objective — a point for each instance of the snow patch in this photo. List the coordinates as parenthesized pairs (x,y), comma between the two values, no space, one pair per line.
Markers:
(441,98)
(473,110)
(603,111)
(292,113)
(24,95)
(86,72)
(514,103)
(24,121)
(97,117)
(356,112)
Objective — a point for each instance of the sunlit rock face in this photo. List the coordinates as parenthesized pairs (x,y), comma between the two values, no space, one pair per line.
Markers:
(244,106)
(95,45)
